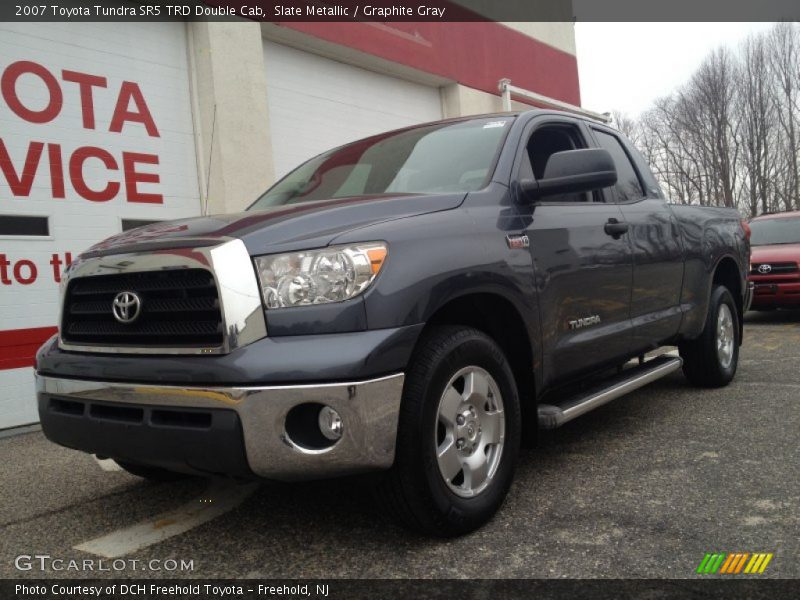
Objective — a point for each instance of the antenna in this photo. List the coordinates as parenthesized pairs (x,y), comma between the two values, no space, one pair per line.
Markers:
(210,156)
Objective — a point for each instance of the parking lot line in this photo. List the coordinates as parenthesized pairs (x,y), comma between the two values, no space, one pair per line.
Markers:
(219,498)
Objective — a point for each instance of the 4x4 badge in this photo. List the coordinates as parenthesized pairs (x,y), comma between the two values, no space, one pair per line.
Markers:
(516,241)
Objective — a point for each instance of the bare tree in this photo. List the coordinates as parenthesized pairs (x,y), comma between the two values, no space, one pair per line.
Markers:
(785,65)
(626,125)
(706,108)
(757,107)
(730,135)
(665,144)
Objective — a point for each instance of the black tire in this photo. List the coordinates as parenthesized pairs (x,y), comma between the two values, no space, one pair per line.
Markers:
(150,473)
(702,363)
(414,492)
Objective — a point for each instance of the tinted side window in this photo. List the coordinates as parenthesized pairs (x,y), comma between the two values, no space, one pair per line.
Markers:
(128,224)
(628,187)
(543,143)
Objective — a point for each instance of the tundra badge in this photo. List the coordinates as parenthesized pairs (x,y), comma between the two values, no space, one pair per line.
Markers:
(584,322)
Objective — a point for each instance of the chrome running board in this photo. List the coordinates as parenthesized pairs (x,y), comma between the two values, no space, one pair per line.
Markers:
(552,416)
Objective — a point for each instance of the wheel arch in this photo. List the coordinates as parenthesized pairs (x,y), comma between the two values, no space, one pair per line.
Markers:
(500,319)
(728,274)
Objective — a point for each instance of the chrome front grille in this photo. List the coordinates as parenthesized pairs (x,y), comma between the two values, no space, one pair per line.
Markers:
(179,307)
(200,299)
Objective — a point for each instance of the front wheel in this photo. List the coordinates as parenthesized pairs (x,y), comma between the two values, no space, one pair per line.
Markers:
(712,358)
(458,436)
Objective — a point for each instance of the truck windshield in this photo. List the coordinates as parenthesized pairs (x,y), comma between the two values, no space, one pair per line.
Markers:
(440,158)
(775,231)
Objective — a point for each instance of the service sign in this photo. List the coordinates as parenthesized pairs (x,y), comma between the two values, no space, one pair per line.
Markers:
(95,131)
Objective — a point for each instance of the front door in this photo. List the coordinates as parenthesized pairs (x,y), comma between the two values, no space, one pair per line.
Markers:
(583,269)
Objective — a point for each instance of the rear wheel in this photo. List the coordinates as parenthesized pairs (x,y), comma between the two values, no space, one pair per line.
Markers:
(711,359)
(458,436)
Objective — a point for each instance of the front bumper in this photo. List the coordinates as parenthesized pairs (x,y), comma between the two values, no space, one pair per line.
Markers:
(775,293)
(222,430)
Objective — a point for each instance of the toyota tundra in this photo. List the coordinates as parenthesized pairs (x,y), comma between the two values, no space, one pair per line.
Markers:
(415,303)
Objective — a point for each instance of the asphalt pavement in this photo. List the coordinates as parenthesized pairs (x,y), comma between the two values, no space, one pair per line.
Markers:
(643,487)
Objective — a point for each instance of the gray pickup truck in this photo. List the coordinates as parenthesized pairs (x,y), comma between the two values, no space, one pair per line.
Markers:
(419,303)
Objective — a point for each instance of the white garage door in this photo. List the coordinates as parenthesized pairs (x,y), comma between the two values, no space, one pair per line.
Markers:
(95,133)
(316,103)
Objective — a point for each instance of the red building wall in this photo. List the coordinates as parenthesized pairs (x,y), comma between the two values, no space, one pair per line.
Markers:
(475,54)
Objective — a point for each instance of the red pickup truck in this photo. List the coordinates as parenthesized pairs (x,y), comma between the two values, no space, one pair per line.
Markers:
(775,261)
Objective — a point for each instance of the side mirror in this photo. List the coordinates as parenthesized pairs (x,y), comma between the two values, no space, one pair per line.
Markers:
(573,171)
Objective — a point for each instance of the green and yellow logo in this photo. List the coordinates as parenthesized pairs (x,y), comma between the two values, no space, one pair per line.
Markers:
(734,563)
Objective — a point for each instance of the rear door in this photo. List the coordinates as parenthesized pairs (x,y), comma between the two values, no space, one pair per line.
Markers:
(655,240)
(583,274)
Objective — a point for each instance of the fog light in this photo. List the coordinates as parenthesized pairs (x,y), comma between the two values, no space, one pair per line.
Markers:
(313,426)
(330,423)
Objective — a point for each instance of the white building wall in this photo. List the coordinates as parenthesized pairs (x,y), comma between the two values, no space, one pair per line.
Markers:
(152,58)
(316,103)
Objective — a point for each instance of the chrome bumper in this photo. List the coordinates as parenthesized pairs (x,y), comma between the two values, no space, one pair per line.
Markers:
(369,412)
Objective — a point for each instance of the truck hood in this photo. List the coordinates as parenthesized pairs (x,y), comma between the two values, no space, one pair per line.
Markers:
(775,253)
(280,228)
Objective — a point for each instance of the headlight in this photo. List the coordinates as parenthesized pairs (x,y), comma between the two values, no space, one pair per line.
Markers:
(319,276)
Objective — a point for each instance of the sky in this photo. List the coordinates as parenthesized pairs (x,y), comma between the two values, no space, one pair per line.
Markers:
(626,66)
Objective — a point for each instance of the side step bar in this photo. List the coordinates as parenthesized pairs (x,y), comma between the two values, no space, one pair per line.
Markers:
(552,416)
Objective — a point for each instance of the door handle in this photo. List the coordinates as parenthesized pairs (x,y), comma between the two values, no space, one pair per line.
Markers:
(615,228)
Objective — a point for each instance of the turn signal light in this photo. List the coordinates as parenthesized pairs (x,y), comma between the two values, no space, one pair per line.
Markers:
(747,230)
(376,258)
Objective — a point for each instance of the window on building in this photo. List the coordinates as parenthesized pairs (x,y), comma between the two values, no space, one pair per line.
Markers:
(24,225)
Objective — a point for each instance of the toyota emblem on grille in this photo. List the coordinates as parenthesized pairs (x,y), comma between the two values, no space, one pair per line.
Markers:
(126,307)
(764,269)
